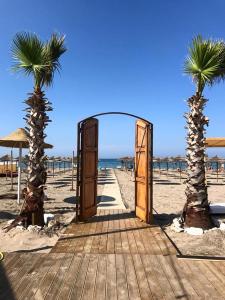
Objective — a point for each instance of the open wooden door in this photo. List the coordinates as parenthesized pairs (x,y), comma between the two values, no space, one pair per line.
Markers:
(143,174)
(89,169)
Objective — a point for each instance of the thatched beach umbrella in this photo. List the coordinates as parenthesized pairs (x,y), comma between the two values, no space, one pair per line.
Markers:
(18,139)
(158,160)
(166,161)
(217,160)
(125,160)
(179,160)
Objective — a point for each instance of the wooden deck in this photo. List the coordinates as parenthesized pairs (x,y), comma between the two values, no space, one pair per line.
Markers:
(114,256)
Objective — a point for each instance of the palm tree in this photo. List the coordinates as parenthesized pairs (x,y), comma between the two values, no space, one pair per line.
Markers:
(41,61)
(205,65)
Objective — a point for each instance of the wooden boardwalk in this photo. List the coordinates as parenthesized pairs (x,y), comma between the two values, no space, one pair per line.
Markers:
(114,256)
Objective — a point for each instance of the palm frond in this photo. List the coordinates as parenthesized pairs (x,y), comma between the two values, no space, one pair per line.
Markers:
(53,50)
(33,57)
(204,62)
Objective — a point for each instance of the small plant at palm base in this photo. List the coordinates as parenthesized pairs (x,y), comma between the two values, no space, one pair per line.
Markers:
(40,60)
(205,64)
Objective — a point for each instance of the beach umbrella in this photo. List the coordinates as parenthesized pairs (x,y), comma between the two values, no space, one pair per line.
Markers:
(179,160)
(166,161)
(18,139)
(217,160)
(5,159)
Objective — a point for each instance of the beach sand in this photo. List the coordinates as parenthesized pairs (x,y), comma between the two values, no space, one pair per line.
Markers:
(168,202)
(169,199)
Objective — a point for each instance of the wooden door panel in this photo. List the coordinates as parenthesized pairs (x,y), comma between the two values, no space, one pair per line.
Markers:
(142,174)
(89,168)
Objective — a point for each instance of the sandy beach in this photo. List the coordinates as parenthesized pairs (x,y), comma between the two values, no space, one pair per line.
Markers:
(168,202)
(169,199)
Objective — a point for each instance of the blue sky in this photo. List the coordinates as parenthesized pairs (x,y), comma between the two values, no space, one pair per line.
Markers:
(123,55)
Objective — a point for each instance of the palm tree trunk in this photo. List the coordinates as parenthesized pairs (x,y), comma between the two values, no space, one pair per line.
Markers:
(196,210)
(37,120)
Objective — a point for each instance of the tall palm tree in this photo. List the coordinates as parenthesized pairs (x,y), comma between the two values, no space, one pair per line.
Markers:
(41,61)
(205,65)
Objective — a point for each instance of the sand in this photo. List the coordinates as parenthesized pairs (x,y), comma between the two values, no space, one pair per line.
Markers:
(60,202)
(169,199)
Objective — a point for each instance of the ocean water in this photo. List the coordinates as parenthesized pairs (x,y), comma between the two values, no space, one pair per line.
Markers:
(115,163)
(109,163)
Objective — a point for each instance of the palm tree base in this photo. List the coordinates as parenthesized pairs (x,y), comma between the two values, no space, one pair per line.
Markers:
(33,208)
(198,217)
(34,218)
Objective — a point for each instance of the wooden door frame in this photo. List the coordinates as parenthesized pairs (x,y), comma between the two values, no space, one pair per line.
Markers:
(78,181)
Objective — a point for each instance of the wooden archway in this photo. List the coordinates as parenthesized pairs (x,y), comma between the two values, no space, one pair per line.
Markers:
(87,162)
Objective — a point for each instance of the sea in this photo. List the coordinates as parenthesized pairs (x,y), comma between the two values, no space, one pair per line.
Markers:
(115,163)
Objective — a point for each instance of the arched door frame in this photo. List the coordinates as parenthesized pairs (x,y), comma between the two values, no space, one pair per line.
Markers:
(79,152)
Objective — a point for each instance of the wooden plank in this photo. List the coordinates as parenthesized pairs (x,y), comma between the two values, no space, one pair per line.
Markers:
(164,243)
(89,240)
(141,277)
(213,279)
(130,236)
(111,277)
(208,279)
(71,278)
(76,241)
(148,241)
(137,236)
(89,286)
(81,241)
(69,245)
(204,288)
(23,279)
(174,276)
(162,277)
(116,223)
(23,265)
(153,280)
(58,279)
(81,277)
(189,282)
(156,234)
(121,278)
(216,271)
(6,268)
(47,280)
(110,240)
(96,240)
(132,283)
(124,234)
(35,276)
(104,236)
(8,259)
(100,285)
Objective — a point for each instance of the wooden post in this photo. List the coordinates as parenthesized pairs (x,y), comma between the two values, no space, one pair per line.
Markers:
(53,168)
(72,178)
(11,171)
(6,170)
(217,171)
(19,175)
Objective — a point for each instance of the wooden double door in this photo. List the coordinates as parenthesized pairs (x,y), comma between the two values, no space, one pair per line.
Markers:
(87,169)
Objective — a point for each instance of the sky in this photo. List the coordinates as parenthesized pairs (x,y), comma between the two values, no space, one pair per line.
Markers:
(123,55)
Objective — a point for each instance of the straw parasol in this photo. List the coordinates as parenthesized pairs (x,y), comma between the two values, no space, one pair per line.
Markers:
(18,139)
